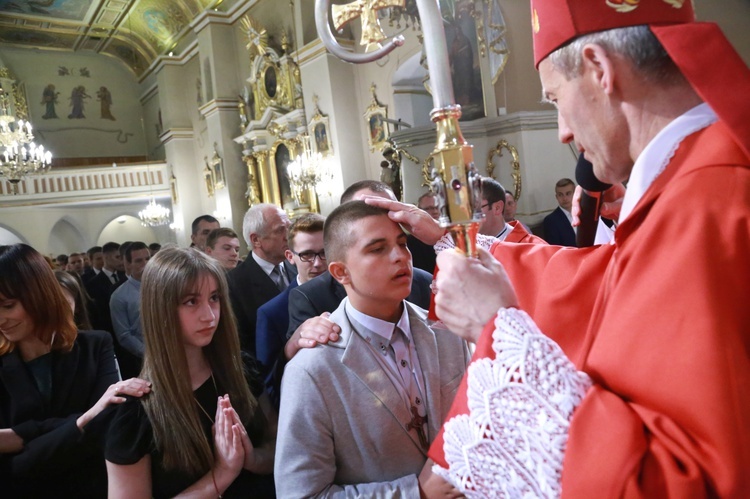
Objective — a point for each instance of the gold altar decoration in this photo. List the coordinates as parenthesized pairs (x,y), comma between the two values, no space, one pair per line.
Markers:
(217,168)
(319,130)
(275,79)
(377,128)
(253,191)
(515,164)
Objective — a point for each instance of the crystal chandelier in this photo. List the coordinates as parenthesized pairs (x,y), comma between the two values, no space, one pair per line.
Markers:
(307,172)
(154,214)
(19,156)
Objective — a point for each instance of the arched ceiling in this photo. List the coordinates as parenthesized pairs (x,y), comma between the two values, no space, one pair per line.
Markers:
(135,31)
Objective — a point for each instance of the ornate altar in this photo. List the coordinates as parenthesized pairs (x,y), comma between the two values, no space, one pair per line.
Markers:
(274,128)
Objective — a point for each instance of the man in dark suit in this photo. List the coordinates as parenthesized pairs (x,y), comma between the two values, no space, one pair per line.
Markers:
(201,228)
(262,275)
(557,225)
(101,286)
(307,254)
(96,257)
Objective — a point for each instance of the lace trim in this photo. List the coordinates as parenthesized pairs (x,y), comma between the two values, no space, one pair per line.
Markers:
(512,442)
(446,242)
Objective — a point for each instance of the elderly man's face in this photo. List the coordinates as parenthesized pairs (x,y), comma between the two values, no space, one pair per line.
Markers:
(272,243)
(591,114)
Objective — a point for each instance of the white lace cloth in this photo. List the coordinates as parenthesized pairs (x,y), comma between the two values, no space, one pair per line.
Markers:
(446,242)
(512,442)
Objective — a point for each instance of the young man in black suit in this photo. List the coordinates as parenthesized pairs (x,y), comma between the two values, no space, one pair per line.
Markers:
(557,225)
(101,286)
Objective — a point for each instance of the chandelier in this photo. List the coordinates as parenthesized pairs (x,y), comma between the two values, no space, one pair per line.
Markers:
(19,156)
(307,173)
(154,214)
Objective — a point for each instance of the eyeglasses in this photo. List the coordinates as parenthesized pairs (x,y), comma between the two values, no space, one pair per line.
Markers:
(309,256)
(485,205)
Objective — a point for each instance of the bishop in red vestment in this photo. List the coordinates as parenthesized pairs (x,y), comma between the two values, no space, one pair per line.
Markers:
(658,322)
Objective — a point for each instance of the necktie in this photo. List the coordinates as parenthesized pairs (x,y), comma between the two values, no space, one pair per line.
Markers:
(114,277)
(278,278)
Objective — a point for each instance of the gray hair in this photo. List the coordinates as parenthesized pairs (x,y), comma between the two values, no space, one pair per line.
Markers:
(255,220)
(637,44)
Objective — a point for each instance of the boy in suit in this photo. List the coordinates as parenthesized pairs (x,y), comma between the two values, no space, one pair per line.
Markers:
(358,414)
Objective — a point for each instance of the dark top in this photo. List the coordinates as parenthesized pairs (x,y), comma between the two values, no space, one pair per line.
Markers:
(57,459)
(131,437)
(557,229)
(423,255)
(249,288)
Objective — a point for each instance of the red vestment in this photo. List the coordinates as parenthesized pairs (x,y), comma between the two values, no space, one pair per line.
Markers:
(661,323)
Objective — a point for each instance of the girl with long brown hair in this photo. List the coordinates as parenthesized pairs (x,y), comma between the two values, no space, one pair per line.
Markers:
(200,432)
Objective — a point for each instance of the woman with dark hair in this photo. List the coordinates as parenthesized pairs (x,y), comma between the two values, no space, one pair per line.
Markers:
(76,296)
(53,382)
(201,386)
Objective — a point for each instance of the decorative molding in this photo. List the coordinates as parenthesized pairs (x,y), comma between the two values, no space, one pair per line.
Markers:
(482,128)
(218,105)
(177,134)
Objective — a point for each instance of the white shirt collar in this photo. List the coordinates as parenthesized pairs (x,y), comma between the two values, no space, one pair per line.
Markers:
(266,266)
(504,233)
(380,327)
(657,154)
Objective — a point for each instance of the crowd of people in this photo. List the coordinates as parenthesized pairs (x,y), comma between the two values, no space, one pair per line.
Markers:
(332,361)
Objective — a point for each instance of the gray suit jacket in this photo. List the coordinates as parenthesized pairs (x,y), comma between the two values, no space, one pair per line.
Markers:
(342,425)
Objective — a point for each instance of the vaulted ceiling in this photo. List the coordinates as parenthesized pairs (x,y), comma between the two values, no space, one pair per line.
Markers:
(135,31)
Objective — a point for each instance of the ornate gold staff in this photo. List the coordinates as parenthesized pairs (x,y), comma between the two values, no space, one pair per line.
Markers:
(457,183)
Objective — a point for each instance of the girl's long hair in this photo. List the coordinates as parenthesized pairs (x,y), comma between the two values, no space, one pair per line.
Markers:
(25,276)
(169,277)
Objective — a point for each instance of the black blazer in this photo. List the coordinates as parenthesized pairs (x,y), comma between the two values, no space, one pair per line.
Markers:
(100,289)
(423,255)
(557,229)
(57,459)
(324,294)
(249,288)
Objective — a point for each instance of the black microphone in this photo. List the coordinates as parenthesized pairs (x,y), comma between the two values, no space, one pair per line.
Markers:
(591,201)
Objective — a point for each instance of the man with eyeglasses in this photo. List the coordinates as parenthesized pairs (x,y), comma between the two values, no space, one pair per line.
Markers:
(305,241)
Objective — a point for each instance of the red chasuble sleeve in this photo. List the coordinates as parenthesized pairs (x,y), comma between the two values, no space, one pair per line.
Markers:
(661,323)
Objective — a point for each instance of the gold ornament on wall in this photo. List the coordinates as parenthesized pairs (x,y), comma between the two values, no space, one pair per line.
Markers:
(377,128)
(515,164)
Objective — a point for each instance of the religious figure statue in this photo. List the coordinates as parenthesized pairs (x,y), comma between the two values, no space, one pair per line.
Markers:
(390,170)
(4,102)
(242,107)
(105,98)
(77,97)
(49,99)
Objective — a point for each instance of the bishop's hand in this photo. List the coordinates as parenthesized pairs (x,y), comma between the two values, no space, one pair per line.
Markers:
(470,291)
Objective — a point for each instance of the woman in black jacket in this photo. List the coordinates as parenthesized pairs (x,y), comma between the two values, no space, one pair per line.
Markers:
(53,382)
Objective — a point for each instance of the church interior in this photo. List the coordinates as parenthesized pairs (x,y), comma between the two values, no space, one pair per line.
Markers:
(156,112)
